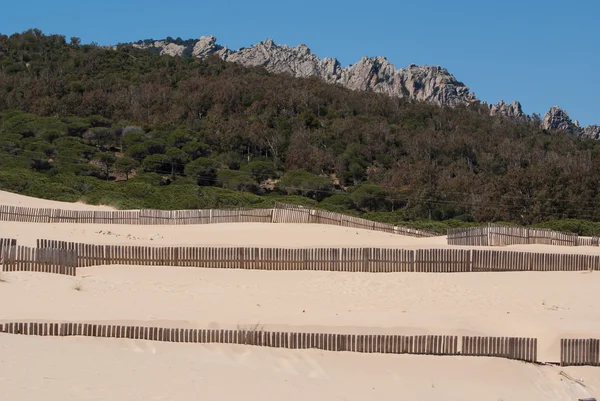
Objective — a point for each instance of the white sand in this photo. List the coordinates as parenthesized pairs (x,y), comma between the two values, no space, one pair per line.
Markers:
(44,368)
(244,234)
(543,305)
(546,306)
(12,199)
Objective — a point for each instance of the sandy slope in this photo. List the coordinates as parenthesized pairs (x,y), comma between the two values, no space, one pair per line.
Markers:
(244,234)
(543,305)
(528,304)
(36,368)
(12,199)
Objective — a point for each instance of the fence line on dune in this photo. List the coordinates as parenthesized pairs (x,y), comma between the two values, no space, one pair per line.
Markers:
(524,349)
(498,235)
(281,213)
(371,260)
(43,260)
(579,352)
(7,242)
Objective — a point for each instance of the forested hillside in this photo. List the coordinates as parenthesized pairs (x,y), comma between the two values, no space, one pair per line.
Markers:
(135,129)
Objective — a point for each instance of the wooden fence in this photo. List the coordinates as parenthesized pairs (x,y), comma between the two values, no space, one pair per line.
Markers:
(523,349)
(579,352)
(497,235)
(490,260)
(367,343)
(442,261)
(319,259)
(44,260)
(7,242)
(371,260)
(281,213)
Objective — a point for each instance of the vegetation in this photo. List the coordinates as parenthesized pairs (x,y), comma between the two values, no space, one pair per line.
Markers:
(131,128)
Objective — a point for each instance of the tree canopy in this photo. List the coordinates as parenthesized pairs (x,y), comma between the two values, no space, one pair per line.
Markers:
(73,116)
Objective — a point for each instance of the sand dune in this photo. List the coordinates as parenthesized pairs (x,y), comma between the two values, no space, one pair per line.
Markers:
(35,368)
(12,199)
(245,234)
(547,306)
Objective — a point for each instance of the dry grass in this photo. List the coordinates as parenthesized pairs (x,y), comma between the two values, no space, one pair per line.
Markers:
(251,333)
(78,286)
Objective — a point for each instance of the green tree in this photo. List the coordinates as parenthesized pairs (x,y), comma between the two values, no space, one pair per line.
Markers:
(156,164)
(260,170)
(301,182)
(106,161)
(176,158)
(203,169)
(371,198)
(125,165)
(238,181)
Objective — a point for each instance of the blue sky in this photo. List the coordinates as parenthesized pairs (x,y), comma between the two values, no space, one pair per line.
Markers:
(542,53)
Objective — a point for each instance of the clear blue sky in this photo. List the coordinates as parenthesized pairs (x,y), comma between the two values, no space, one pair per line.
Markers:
(541,53)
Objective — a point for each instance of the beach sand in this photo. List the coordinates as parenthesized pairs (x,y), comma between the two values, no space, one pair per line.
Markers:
(548,306)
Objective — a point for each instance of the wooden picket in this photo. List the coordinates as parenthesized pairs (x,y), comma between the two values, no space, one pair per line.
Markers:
(366,343)
(580,352)
(523,349)
(44,260)
(475,236)
(442,261)
(573,352)
(281,213)
(7,242)
(372,260)
(498,235)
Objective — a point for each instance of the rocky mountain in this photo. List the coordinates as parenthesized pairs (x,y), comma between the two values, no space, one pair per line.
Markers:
(558,119)
(431,84)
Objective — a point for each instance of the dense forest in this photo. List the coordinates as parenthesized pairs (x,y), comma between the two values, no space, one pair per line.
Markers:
(133,129)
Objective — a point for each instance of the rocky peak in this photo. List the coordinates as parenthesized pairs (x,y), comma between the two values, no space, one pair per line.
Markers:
(431,84)
(558,119)
(162,47)
(512,110)
(207,45)
(591,132)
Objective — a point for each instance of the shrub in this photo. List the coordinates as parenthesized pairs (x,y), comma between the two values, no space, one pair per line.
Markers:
(204,170)
(301,182)
(371,198)
(260,170)
(237,181)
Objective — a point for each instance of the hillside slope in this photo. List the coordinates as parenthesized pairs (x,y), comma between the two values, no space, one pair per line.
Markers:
(133,129)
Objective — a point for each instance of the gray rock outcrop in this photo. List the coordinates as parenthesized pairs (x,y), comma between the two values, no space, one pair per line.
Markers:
(207,45)
(511,110)
(425,83)
(431,84)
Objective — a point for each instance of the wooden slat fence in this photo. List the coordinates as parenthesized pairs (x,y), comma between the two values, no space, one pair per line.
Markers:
(490,260)
(588,241)
(283,213)
(475,236)
(7,242)
(280,214)
(442,261)
(497,235)
(44,260)
(580,352)
(523,349)
(365,343)
(372,260)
